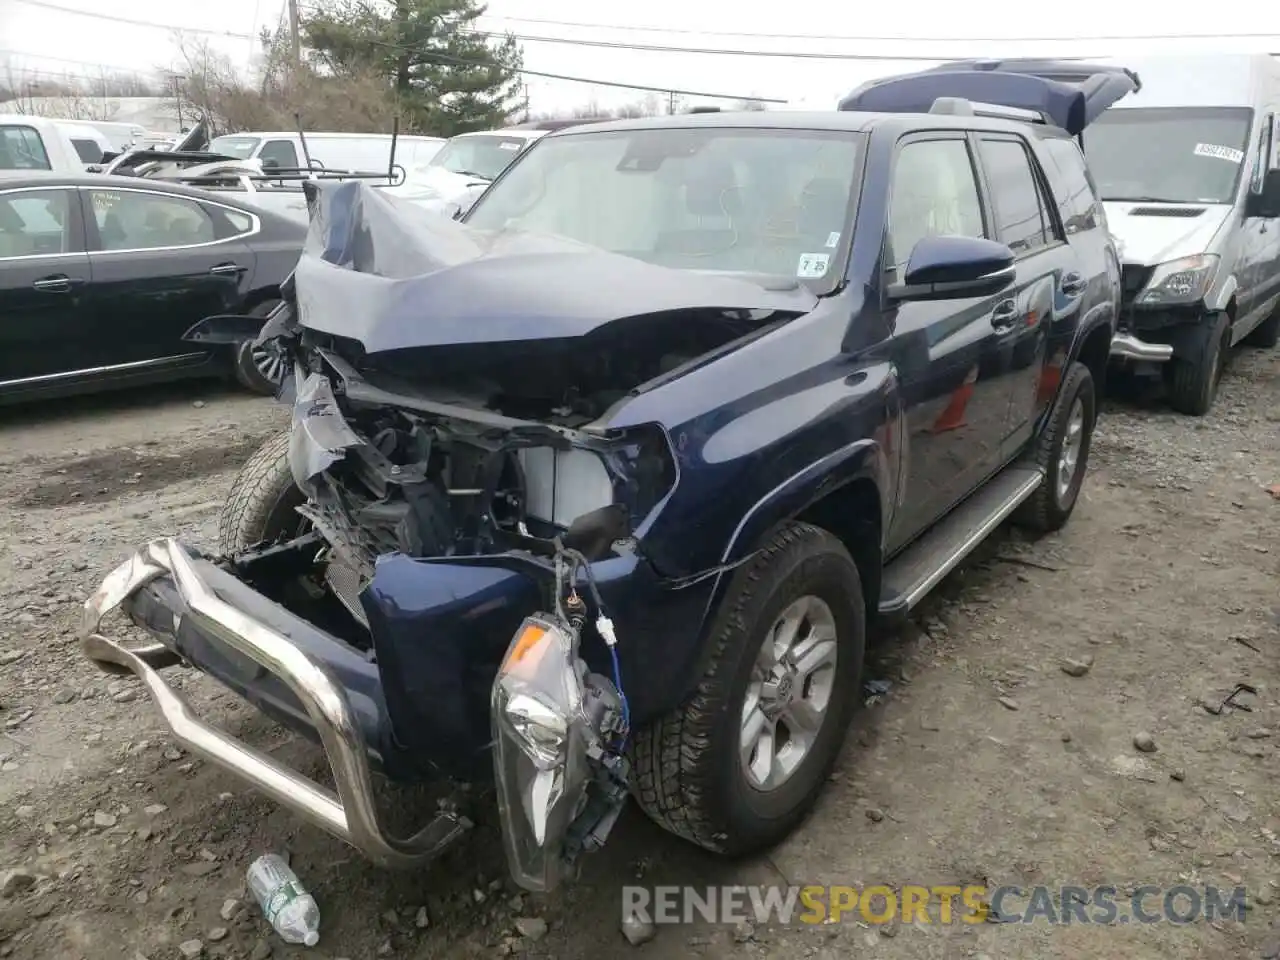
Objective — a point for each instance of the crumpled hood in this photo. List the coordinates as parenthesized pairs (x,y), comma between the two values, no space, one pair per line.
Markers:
(1154,233)
(392,276)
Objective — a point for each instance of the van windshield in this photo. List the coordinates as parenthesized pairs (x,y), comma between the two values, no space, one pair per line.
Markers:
(240,148)
(483,157)
(1171,155)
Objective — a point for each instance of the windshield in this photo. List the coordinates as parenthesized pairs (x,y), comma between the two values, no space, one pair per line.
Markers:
(1175,155)
(241,148)
(760,201)
(479,156)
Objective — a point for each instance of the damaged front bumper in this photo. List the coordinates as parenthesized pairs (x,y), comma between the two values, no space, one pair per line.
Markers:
(273,643)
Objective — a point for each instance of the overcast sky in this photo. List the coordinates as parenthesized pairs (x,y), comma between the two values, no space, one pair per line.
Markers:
(41,41)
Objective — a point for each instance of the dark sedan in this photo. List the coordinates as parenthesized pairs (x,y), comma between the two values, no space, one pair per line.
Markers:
(100,277)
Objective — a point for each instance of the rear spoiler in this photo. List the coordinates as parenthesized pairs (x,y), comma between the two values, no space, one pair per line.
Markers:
(1067,94)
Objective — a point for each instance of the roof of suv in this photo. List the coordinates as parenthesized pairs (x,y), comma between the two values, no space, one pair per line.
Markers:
(832,120)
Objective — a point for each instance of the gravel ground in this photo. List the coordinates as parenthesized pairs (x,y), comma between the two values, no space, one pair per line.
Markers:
(1003,753)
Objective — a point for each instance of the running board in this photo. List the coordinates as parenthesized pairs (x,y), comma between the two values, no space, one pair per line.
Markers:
(910,577)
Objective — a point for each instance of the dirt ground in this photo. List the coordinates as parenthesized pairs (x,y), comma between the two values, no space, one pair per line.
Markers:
(985,762)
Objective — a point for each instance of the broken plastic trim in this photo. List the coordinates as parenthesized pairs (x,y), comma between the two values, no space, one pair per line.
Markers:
(351,815)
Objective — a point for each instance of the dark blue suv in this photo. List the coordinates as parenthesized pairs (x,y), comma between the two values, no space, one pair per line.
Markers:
(747,382)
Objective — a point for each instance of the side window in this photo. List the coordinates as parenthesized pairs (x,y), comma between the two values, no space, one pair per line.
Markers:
(22,149)
(35,223)
(88,151)
(933,192)
(1022,222)
(1076,195)
(1265,152)
(228,223)
(279,153)
(129,220)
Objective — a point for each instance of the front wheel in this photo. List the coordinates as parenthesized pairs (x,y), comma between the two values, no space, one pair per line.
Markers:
(263,501)
(738,766)
(1191,381)
(1062,451)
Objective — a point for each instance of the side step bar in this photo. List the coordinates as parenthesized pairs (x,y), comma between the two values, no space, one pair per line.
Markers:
(910,577)
(351,815)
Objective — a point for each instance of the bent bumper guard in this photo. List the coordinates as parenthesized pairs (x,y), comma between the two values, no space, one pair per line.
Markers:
(1131,348)
(351,815)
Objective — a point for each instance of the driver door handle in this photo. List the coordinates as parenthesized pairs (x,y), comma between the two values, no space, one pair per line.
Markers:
(226,269)
(1005,315)
(58,283)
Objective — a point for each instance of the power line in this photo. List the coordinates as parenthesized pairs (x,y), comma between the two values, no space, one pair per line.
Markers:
(873,39)
(231,34)
(133,71)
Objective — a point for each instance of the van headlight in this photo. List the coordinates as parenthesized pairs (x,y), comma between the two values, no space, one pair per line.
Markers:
(1180,281)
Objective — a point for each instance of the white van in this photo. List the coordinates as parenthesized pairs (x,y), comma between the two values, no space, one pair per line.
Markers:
(365,152)
(91,144)
(1186,169)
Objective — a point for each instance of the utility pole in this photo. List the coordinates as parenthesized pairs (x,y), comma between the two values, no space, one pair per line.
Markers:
(524,87)
(295,37)
(671,103)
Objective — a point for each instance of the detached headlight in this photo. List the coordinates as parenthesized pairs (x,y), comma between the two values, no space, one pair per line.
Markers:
(540,749)
(1180,281)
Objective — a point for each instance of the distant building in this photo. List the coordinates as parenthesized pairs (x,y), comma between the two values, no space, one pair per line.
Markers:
(158,114)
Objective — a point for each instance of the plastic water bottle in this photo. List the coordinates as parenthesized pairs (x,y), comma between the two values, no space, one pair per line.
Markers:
(291,911)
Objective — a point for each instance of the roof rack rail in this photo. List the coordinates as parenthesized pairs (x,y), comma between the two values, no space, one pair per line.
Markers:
(962,107)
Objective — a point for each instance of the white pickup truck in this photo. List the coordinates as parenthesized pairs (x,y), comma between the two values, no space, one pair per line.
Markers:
(35,143)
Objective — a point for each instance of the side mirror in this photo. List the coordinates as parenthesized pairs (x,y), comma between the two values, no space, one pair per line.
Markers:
(1266,203)
(270,163)
(954,268)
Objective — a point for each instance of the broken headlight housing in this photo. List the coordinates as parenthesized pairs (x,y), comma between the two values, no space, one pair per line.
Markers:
(560,785)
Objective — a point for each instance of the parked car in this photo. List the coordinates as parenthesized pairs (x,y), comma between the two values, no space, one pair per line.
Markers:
(1187,171)
(91,145)
(34,143)
(612,509)
(101,276)
(328,151)
(463,169)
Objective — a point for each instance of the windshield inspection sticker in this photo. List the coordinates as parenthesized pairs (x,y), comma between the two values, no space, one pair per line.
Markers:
(510,145)
(833,240)
(1222,153)
(812,265)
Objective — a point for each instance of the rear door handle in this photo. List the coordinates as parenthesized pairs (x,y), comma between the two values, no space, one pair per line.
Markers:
(226,269)
(59,283)
(1074,284)
(1005,315)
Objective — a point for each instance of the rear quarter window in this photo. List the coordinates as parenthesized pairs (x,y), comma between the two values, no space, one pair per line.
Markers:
(1073,187)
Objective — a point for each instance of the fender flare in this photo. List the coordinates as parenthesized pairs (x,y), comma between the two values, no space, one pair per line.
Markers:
(860,460)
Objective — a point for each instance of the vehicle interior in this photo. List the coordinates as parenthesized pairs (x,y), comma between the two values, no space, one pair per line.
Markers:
(32,224)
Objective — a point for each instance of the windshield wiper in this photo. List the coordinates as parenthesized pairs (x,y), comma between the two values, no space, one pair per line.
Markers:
(472,173)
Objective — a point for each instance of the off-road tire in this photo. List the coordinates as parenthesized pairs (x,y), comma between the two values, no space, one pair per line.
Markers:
(246,371)
(1045,511)
(1266,334)
(1191,382)
(262,502)
(688,773)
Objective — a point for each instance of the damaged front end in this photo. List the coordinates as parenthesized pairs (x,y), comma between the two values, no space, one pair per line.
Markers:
(440,603)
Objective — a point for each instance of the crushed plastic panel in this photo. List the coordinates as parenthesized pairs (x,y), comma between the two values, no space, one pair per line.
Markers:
(392,276)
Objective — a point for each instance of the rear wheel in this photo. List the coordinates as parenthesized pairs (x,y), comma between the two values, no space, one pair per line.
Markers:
(260,368)
(1062,450)
(740,764)
(1191,381)
(263,501)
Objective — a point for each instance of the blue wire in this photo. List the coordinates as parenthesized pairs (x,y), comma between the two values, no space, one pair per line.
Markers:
(617,682)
